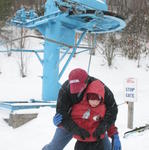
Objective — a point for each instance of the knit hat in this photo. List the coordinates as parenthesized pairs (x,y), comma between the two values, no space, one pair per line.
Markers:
(77,80)
(93,96)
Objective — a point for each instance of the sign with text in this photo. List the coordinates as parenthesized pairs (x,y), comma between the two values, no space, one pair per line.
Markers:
(130,90)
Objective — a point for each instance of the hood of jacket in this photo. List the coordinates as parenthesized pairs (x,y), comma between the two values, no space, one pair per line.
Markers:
(96,87)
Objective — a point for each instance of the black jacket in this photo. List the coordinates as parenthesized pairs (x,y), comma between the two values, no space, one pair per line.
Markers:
(66,100)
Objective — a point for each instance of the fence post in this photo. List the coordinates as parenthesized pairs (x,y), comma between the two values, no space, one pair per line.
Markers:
(130,114)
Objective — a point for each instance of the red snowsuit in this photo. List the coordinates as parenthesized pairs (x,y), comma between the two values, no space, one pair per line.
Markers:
(88,117)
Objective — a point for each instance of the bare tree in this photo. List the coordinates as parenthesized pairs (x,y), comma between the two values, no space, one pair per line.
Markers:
(110,45)
(22,58)
(136,33)
(91,38)
(119,6)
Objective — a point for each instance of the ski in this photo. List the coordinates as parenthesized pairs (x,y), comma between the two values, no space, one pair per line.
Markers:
(136,130)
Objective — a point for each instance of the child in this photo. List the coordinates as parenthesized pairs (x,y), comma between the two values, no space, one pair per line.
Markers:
(88,115)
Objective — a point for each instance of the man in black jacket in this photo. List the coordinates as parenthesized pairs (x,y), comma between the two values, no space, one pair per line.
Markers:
(71,93)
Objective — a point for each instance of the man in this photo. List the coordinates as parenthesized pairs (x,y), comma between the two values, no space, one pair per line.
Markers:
(71,93)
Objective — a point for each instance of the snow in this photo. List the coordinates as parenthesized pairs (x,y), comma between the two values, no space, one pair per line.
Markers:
(38,132)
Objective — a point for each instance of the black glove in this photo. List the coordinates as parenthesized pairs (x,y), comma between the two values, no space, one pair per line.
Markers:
(82,133)
(101,129)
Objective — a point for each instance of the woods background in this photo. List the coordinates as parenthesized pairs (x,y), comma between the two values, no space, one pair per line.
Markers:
(131,42)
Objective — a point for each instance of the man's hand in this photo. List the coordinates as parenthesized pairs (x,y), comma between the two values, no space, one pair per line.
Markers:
(99,132)
(116,144)
(57,119)
(81,132)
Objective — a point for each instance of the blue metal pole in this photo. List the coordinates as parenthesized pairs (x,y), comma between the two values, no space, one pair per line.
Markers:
(56,31)
(51,65)
(51,84)
(89,63)
(41,61)
(70,57)
(66,52)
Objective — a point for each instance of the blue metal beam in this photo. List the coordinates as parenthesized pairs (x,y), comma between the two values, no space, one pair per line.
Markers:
(66,52)
(38,56)
(18,105)
(72,54)
(35,22)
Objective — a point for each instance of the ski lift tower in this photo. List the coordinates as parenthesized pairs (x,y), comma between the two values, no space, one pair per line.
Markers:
(61,20)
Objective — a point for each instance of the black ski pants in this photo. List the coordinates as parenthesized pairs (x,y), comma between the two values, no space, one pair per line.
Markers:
(89,145)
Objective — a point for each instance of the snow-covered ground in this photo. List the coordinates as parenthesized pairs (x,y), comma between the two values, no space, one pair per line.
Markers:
(38,132)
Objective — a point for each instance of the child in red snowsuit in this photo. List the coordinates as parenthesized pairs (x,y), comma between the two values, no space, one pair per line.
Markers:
(88,115)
